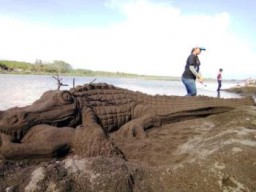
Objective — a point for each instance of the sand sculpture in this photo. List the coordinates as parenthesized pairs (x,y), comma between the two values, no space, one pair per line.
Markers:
(81,119)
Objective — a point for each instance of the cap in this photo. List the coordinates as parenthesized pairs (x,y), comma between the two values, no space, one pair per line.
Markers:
(200,48)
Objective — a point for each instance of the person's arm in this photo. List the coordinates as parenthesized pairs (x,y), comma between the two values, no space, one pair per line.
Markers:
(193,70)
(192,62)
(197,74)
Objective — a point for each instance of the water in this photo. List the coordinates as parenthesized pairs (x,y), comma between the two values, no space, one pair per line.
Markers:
(22,90)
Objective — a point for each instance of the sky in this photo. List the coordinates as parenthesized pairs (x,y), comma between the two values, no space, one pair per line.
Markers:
(149,37)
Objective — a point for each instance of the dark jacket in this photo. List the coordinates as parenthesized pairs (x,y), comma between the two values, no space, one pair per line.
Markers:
(194,61)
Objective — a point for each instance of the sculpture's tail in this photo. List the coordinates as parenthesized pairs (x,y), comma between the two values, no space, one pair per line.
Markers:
(191,114)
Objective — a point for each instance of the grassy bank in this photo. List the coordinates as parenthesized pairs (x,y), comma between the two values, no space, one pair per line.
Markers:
(63,69)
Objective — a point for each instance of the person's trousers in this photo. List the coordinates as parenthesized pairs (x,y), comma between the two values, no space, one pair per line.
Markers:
(219,85)
(190,85)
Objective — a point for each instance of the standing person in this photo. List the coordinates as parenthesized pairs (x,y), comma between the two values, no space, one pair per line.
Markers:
(191,72)
(219,79)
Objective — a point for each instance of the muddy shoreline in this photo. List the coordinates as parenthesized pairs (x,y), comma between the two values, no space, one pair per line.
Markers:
(213,153)
(243,90)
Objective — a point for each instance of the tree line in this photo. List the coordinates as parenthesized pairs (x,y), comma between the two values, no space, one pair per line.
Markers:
(63,68)
(56,66)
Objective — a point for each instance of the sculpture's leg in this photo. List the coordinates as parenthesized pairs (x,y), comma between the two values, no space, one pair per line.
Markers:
(40,141)
(143,118)
(91,140)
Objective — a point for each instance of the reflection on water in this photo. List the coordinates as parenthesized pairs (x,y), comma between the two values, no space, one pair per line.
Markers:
(218,94)
(21,90)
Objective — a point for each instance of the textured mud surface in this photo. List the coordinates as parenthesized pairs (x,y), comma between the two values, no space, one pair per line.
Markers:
(244,90)
(213,153)
(216,153)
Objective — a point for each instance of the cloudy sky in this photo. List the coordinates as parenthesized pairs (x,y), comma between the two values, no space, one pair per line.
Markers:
(152,37)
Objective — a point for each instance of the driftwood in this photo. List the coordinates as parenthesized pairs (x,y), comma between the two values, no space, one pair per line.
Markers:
(93,81)
(58,79)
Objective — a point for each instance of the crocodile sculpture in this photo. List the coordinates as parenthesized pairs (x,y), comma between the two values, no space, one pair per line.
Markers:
(81,119)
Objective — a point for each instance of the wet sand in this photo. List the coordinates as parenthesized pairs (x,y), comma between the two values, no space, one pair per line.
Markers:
(214,153)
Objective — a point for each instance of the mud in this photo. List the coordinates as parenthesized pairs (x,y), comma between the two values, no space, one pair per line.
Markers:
(216,153)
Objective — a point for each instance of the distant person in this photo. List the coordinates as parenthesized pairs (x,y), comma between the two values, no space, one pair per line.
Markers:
(219,79)
(191,72)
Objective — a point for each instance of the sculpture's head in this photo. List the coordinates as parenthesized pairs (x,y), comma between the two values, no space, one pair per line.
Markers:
(58,108)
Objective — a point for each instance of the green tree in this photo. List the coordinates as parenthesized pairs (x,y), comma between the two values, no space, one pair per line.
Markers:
(61,66)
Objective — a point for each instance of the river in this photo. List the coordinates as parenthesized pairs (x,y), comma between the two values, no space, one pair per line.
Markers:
(21,90)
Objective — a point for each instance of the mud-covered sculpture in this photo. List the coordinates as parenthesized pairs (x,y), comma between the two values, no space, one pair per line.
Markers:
(81,120)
